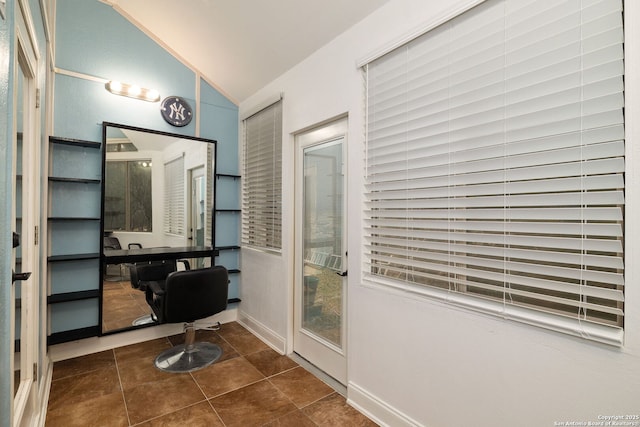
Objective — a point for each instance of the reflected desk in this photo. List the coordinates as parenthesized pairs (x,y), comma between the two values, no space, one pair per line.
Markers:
(118,256)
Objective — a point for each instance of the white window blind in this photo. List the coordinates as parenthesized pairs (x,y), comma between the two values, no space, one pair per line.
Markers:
(174,197)
(262,179)
(495,164)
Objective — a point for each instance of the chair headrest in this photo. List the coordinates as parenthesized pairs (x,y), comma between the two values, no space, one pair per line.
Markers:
(195,294)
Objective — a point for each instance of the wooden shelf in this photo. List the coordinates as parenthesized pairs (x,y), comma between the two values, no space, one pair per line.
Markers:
(227,248)
(74,180)
(74,257)
(72,218)
(74,142)
(73,296)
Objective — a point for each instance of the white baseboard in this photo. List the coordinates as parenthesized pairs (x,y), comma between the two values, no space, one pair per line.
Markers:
(270,337)
(376,409)
(86,346)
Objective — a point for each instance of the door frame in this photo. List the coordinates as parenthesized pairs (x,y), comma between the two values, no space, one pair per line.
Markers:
(323,133)
(25,63)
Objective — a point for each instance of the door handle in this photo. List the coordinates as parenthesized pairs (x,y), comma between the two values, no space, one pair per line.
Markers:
(342,273)
(19,276)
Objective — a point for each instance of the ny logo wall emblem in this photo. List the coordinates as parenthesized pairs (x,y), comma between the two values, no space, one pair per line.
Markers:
(176,111)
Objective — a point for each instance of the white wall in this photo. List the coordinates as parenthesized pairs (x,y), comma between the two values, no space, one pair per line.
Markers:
(410,360)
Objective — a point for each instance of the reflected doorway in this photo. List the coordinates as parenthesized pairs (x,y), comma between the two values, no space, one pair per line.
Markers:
(198,217)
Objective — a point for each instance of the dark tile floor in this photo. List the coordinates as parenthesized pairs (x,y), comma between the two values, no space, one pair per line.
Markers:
(121,304)
(251,385)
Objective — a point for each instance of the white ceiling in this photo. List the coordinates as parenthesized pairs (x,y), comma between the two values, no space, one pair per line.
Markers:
(241,45)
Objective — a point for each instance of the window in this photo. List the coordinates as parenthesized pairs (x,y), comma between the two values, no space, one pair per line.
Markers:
(174,197)
(262,179)
(495,164)
(128,191)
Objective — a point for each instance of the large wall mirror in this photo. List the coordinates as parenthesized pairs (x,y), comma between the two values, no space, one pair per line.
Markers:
(158,205)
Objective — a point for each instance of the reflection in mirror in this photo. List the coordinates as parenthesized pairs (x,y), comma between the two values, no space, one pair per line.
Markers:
(158,193)
(128,196)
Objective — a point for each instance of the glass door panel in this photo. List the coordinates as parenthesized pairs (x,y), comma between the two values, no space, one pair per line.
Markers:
(17,226)
(322,228)
(24,219)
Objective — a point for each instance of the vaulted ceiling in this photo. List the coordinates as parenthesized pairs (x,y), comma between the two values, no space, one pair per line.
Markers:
(241,45)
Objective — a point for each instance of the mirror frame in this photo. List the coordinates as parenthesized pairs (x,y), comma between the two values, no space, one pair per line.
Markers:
(212,208)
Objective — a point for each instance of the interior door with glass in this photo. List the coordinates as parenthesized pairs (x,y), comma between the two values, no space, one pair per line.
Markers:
(25,219)
(320,277)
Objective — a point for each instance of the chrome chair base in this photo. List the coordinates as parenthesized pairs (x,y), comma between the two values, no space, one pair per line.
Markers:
(182,359)
(143,320)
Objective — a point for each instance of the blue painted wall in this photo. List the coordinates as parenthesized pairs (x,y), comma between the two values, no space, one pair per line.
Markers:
(94,40)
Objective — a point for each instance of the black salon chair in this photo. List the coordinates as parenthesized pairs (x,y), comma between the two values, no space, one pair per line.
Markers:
(186,296)
(143,273)
(110,243)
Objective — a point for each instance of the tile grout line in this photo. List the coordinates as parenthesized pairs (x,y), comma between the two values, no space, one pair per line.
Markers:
(215,412)
(306,370)
(284,371)
(169,413)
(308,404)
(126,409)
(264,377)
(206,399)
(289,399)
(79,373)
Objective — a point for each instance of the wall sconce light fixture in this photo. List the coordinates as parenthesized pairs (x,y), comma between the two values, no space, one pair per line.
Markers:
(132,91)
